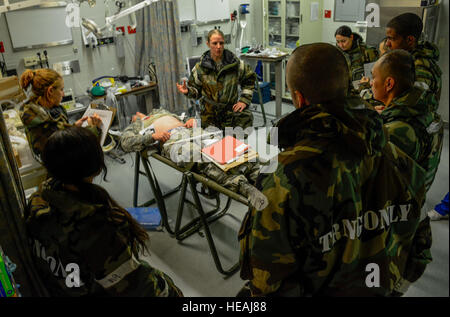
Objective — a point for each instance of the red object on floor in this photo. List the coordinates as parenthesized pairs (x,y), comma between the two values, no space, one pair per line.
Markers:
(121,29)
(130,30)
(2,48)
(328,14)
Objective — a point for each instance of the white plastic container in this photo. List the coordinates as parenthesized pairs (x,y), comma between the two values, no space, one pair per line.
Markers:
(26,157)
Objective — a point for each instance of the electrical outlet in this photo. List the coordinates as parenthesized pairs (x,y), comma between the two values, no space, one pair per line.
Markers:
(30,61)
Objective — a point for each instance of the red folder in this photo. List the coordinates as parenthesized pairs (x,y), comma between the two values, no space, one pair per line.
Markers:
(226,150)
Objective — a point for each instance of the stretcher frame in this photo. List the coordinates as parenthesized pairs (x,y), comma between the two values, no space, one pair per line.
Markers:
(189,179)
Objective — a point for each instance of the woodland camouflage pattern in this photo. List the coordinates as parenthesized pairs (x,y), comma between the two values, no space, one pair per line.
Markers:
(426,56)
(40,123)
(416,129)
(67,227)
(220,87)
(359,55)
(428,73)
(132,141)
(236,179)
(342,197)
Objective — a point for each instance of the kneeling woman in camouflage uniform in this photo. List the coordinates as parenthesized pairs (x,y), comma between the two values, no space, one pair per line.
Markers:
(215,79)
(76,224)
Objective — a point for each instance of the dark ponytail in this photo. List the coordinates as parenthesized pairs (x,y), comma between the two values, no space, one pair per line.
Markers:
(343,31)
(74,154)
(357,38)
(117,214)
(347,32)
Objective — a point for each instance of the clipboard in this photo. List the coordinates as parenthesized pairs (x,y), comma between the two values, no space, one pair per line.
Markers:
(368,70)
(107,117)
(226,150)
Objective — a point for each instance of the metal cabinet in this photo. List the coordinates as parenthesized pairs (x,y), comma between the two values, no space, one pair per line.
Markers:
(282,19)
(282,30)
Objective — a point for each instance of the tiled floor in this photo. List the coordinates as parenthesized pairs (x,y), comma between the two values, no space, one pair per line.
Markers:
(190,263)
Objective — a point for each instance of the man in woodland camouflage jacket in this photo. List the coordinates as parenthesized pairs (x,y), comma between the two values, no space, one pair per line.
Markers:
(344,211)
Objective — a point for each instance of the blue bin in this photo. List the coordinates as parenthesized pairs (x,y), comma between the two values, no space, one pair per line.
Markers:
(265,92)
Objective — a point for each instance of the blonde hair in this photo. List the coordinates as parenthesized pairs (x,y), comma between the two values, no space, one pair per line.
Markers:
(39,79)
(215,31)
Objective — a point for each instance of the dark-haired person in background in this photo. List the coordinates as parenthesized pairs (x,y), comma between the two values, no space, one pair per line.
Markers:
(342,197)
(72,221)
(357,52)
(408,111)
(403,32)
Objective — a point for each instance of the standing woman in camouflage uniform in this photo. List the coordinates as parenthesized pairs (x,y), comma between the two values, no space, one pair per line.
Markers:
(42,114)
(74,223)
(355,50)
(216,79)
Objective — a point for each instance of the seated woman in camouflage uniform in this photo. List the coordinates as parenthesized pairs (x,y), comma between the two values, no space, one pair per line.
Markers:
(170,130)
(42,114)
(72,221)
(216,80)
(355,50)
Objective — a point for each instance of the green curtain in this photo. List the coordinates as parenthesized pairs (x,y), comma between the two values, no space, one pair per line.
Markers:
(13,238)
(158,40)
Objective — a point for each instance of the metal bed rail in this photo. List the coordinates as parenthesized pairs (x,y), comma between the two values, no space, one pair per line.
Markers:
(189,179)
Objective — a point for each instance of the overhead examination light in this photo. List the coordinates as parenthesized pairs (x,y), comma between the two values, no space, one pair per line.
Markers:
(98,32)
(93,27)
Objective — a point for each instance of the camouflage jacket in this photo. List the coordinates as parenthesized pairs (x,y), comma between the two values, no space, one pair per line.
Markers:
(359,55)
(415,129)
(341,198)
(221,87)
(132,141)
(40,123)
(428,73)
(426,56)
(67,227)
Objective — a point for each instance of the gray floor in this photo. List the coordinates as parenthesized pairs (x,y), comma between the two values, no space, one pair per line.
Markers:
(190,263)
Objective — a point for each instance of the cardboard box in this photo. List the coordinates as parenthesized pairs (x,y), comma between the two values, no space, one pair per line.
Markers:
(10,89)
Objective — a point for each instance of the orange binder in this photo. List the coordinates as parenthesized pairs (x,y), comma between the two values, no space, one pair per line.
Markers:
(226,150)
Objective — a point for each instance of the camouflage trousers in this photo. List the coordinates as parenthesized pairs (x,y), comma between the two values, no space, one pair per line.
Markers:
(227,118)
(184,149)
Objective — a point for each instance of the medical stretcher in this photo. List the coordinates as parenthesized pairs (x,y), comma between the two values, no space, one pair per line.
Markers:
(189,180)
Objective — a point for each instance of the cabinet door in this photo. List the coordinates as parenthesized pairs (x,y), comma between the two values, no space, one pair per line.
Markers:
(311,21)
(292,26)
(275,23)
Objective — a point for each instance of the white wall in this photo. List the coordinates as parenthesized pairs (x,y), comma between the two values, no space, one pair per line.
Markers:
(93,62)
(329,27)
(103,61)
(252,30)
(442,43)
